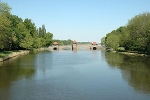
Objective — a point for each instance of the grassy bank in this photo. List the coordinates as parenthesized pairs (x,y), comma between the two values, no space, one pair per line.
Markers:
(10,54)
(5,53)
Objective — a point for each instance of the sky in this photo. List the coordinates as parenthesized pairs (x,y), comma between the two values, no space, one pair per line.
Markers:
(80,20)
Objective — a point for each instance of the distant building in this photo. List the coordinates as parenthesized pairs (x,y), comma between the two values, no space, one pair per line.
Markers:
(55,46)
(74,42)
(94,43)
(94,46)
(55,43)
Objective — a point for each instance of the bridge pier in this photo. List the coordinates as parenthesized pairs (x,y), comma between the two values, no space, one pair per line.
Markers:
(74,45)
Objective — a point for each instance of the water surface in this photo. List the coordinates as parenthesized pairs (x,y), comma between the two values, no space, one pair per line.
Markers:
(81,75)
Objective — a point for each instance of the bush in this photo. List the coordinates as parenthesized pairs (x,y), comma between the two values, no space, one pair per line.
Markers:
(121,49)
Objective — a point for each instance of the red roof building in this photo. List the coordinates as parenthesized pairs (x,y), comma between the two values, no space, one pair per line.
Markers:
(74,42)
(94,43)
(55,43)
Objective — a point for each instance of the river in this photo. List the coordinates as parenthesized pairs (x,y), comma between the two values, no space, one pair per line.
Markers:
(70,75)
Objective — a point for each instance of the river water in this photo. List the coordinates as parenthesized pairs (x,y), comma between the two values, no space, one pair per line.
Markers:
(81,75)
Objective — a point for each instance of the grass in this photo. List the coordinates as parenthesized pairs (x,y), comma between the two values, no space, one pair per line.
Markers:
(5,53)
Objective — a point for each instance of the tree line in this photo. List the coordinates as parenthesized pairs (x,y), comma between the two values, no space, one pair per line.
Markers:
(135,36)
(16,33)
(63,42)
(68,42)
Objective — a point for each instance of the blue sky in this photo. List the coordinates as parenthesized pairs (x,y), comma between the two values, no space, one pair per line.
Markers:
(80,20)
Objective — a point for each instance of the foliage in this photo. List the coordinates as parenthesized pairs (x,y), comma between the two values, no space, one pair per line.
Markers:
(4,8)
(113,39)
(135,36)
(103,41)
(64,42)
(4,31)
(16,33)
(48,39)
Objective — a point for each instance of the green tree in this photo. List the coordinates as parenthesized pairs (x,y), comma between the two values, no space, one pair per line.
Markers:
(113,40)
(26,42)
(4,8)
(4,29)
(139,30)
(48,39)
(31,27)
(135,36)
(33,32)
(15,20)
(25,39)
(103,41)
(42,31)
(18,34)
(4,25)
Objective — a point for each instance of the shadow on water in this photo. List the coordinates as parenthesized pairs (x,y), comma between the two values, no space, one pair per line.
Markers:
(135,70)
(15,69)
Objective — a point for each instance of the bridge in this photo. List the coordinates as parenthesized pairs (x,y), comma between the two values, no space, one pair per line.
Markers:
(75,47)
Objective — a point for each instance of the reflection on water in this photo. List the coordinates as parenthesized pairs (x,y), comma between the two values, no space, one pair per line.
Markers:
(135,70)
(13,70)
(75,75)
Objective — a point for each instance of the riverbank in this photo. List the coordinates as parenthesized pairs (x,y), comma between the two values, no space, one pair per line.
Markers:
(13,54)
(131,53)
(135,54)
(10,54)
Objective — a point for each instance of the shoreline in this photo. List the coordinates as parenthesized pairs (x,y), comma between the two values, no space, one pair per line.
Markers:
(14,54)
(132,54)
(21,52)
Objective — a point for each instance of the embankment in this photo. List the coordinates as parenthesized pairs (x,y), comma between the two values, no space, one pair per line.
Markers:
(134,54)
(22,52)
(14,54)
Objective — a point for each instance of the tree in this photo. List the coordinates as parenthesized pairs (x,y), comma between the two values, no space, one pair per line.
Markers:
(31,27)
(135,36)
(113,39)
(42,31)
(48,39)
(18,34)
(14,34)
(26,42)
(25,39)
(33,32)
(4,8)
(139,30)
(103,41)
(37,43)
(4,29)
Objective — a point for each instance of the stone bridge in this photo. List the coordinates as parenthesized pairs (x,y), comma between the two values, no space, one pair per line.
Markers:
(76,47)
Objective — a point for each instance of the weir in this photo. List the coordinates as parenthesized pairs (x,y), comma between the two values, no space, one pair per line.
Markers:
(75,46)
